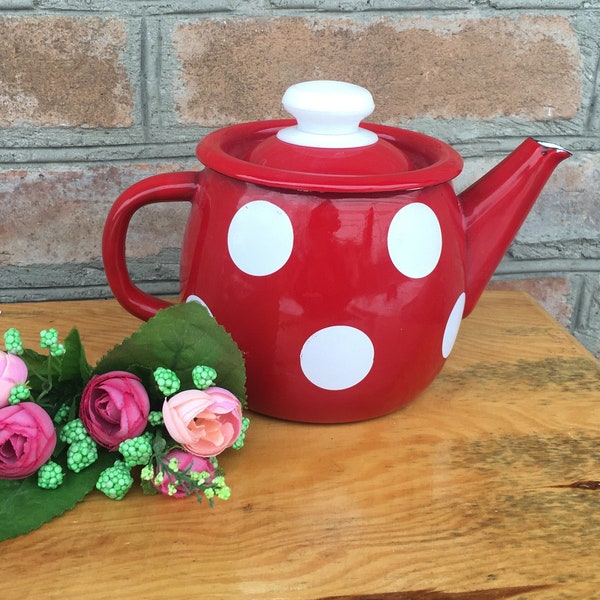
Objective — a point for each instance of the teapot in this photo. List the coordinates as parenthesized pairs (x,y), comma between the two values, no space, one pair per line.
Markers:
(336,252)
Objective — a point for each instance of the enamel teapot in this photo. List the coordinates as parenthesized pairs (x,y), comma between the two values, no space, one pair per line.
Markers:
(335,252)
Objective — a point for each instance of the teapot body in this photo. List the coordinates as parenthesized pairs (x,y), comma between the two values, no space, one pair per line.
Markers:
(345,306)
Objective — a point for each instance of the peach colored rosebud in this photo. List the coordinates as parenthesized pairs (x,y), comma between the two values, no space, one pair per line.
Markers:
(204,422)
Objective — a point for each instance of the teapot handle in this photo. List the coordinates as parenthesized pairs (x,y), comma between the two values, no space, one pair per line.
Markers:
(168,187)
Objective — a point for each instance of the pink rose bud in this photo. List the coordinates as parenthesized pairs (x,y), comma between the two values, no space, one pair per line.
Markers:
(13,371)
(185,460)
(114,407)
(27,439)
(204,422)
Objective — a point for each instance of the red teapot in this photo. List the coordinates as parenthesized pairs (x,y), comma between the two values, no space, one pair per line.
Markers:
(335,252)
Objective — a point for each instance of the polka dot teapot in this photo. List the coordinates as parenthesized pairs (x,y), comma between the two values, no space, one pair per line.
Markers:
(335,252)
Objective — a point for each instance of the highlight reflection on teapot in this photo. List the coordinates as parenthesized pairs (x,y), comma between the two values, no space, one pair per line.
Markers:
(335,252)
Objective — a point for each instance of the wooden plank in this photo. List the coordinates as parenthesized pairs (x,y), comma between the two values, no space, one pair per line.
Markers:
(458,495)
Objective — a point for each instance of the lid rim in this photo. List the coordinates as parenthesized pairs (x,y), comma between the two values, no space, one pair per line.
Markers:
(214,151)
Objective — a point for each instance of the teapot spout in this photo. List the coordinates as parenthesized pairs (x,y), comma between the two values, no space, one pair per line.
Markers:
(496,205)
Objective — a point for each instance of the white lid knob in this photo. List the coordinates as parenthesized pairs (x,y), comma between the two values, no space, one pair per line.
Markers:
(328,114)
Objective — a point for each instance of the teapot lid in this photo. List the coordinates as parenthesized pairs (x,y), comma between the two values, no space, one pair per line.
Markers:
(327,148)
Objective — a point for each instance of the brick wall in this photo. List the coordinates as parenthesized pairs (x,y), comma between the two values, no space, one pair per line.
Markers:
(96,94)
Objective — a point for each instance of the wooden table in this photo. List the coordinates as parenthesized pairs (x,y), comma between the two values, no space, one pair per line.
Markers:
(472,491)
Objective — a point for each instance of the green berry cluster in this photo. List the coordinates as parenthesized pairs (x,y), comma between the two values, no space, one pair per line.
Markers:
(82,451)
(49,339)
(136,451)
(50,476)
(61,414)
(73,431)
(239,443)
(166,380)
(115,481)
(19,393)
(82,454)
(203,376)
(12,341)
(155,418)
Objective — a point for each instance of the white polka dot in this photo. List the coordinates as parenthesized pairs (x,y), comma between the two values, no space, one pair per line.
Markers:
(337,357)
(260,238)
(194,298)
(415,240)
(452,325)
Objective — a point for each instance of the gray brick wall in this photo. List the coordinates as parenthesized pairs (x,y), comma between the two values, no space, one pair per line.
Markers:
(96,94)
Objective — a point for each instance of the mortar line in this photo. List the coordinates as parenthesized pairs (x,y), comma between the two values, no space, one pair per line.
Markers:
(581,305)
(144,78)
(549,265)
(593,107)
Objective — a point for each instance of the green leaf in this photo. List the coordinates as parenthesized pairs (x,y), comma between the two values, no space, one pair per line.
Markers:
(73,363)
(148,489)
(179,338)
(24,506)
(39,367)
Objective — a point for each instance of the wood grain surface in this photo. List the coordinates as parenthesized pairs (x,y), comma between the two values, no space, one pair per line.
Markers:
(484,487)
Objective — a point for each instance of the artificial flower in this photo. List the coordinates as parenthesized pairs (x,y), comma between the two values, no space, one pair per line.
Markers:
(27,439)
(114,407)
(204,422)
(171,485)
(73,426)
(13,371)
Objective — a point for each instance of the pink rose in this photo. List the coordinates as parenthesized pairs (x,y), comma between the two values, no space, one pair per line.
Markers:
(27,439)
(114,407)
(13,371)
(203,422)
(185,460)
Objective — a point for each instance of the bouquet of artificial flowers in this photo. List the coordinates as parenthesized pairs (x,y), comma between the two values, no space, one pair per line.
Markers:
(165,402)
